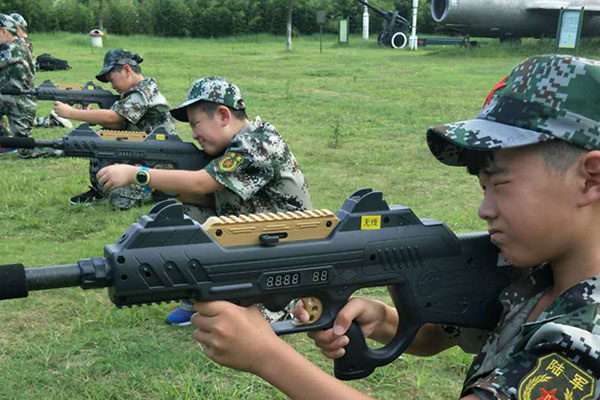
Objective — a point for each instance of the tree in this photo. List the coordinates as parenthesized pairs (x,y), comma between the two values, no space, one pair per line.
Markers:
(101,16)
(288,46)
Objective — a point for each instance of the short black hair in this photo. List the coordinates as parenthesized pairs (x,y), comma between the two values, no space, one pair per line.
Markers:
(209,108)
(558,156)
(135,68)
(477,160)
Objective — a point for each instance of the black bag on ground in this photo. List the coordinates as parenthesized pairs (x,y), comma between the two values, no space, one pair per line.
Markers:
(45,62)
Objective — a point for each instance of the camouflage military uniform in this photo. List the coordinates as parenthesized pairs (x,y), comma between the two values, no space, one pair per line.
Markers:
(260,174)
(16,72)
(43,122)
(143,108)
(22,23)
(559,352)
(258,170)
(557,356)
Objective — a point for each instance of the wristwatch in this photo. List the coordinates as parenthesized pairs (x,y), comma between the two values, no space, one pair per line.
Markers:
(142,178)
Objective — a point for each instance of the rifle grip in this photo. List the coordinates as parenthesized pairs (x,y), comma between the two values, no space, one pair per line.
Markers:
(360,360)
(354,364)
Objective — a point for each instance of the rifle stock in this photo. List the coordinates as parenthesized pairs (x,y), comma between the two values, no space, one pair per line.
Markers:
(432,274)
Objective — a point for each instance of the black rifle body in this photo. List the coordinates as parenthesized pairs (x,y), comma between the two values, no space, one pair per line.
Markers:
(158,149)
(433,275)
(89,94)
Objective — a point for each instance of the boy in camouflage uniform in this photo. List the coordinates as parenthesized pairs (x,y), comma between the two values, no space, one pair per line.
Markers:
(536,151)
(21,25)
(52,120)
(141,108)
(254,170)
(16,71)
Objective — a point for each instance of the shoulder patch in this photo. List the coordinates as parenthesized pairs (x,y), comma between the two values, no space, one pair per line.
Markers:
(230,161)
(556,378)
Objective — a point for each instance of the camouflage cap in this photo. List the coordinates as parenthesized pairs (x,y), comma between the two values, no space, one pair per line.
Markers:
(7,22)
(19,20)
(214,89)
(545,98)
(118,57)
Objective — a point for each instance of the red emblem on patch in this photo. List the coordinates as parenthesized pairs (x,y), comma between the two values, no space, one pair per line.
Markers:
(547,395)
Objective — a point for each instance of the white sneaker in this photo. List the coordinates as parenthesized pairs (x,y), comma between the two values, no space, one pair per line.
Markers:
(60,121)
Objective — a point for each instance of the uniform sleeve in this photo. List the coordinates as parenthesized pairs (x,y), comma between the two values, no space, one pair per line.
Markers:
(7,58)
(132,107)
(559,361)
(244,168)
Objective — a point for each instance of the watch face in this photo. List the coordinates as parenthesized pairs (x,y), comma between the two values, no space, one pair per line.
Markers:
(142,177)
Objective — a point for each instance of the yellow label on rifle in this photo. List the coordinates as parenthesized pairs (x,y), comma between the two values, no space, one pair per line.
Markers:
(160,136)
(370,222)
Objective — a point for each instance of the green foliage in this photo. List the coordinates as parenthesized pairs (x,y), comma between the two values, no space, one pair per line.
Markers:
(122,17)
(201,18)
(337,134)
(172,17)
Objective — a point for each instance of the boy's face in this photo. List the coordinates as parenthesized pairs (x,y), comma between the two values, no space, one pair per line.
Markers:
(209,132)
(528,208)
(119,80)
(6,36)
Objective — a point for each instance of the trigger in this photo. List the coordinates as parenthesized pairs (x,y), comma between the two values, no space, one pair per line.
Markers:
(314,307)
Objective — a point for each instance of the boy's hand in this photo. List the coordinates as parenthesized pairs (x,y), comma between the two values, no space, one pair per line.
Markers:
(116,176)
(62,109)
(233,336)
(369,314)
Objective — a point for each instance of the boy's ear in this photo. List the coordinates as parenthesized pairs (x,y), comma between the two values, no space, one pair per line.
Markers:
(590,168)
(127,69)
(224,115)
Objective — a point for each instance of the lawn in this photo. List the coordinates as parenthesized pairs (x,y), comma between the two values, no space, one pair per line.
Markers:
(355,116)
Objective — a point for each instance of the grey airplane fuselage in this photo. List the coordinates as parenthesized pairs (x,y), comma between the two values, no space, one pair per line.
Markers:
(511,18)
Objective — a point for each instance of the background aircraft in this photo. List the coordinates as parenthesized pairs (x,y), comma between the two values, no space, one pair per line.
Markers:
(508,19)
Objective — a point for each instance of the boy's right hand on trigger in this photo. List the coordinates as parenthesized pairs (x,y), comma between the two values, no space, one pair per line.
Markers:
(369,314)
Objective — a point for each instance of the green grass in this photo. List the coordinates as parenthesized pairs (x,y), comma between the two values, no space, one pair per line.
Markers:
(355,116)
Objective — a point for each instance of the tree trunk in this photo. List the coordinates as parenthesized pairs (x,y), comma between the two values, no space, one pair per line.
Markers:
(288,46)
(101,16)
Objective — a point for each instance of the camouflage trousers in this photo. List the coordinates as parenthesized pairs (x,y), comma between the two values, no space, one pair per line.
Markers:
(123,198)
(44,122)
(20,111)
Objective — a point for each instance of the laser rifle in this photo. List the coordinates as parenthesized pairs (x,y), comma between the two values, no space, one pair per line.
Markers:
(90,93)
(110,147)
(273,258)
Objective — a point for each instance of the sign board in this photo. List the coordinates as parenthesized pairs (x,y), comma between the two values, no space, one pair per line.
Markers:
(321,17)
(569,28)
(344,30)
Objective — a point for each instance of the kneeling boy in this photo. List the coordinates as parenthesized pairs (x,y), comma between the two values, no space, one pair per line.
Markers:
(254,170)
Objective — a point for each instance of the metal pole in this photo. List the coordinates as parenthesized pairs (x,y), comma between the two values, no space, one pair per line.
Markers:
(412,41)
(321,38)
(366,24)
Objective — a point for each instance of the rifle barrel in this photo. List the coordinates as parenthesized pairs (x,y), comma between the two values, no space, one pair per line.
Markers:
(16,91)
(26,143)
(53,277)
